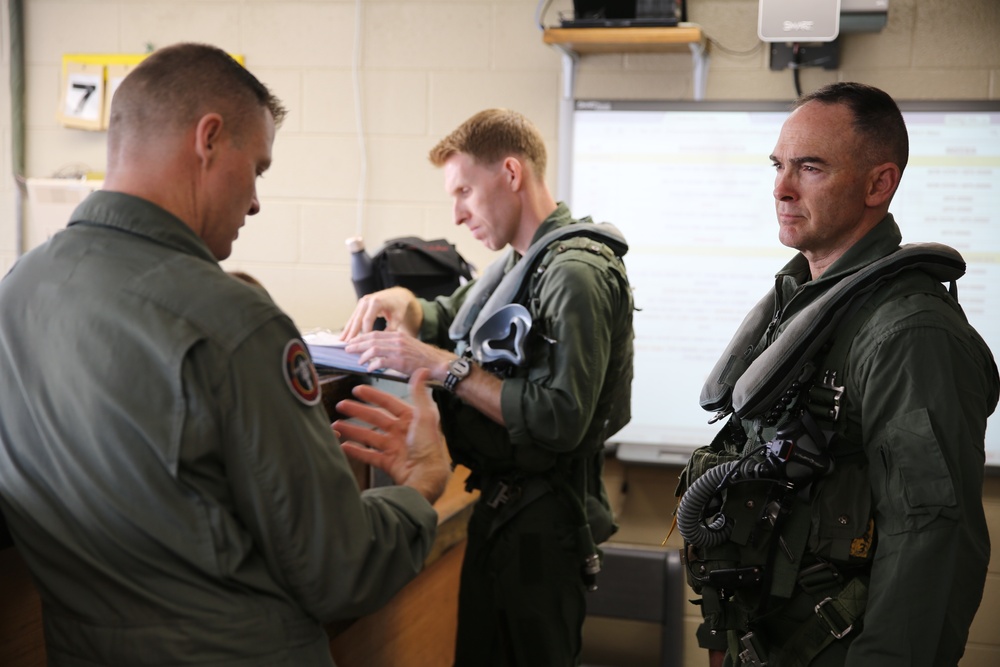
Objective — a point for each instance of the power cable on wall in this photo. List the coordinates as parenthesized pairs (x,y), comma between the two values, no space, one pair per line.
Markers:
(17,73)
(359,120)
(543,6)
(734,52)
(796,64)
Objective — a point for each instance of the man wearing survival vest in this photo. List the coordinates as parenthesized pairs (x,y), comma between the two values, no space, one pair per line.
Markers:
(535,357)
(837,518)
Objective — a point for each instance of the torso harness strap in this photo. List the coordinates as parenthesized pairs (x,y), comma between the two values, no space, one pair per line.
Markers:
(496,289)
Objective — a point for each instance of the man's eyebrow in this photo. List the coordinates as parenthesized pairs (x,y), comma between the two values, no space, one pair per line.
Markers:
(810,159)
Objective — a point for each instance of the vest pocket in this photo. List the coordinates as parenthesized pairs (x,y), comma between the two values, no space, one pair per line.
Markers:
(841,510)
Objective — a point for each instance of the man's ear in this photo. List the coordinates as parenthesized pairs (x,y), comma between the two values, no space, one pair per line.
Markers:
(882,184)
(207,135)
(513,171)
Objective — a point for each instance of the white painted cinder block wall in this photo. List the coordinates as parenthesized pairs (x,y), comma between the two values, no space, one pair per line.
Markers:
(423,67)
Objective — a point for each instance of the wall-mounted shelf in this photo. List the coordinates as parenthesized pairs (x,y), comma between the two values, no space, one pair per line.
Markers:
(625,40)
(576,42)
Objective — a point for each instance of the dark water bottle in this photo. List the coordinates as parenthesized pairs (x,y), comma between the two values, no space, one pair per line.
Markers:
(362,271)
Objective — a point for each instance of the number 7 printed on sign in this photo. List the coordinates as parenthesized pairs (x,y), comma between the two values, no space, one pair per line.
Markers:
(82,103)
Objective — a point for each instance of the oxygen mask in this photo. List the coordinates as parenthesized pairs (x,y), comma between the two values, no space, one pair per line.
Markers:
(501,338)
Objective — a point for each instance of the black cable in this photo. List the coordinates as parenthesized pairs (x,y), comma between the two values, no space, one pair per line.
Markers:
(543,6)
(733,52)
(796,64)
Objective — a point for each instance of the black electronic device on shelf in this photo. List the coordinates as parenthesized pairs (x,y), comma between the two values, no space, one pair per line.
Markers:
(623,14)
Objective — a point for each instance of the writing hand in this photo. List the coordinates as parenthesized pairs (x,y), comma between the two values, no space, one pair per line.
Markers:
(401,352)
(397,305)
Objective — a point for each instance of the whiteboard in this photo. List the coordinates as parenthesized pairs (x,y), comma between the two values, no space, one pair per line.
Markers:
(689,184)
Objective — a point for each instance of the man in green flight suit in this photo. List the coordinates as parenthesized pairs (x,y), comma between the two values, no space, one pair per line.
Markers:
(166,467)
(856,533)
(530,426)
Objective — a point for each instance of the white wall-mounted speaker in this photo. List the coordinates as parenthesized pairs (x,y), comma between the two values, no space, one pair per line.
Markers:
(798,20)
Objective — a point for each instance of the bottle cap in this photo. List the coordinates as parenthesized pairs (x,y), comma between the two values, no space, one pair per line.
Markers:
(355,244)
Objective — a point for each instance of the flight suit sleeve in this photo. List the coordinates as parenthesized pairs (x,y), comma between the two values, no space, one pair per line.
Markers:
(926,388)
(579,301)
(338,552)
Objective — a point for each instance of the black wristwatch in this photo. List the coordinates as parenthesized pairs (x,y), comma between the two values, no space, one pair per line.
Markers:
(458,369)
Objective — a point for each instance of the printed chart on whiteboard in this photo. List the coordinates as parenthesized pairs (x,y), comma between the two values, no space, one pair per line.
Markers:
(689,184)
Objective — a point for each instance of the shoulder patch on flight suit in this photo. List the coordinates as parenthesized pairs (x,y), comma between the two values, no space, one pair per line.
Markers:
(300,374)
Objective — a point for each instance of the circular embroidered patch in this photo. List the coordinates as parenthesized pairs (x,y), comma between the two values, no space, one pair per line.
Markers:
(300,374)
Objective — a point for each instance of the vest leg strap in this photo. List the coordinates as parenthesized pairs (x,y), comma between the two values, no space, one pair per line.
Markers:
(834,619)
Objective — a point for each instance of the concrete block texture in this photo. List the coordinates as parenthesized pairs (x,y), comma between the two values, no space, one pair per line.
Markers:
(414,69)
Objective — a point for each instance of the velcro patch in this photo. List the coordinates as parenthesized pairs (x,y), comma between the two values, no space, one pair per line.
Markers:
(300,374)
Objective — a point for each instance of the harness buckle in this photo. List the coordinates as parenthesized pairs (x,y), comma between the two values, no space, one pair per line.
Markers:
(832,619)
(818,576)
(501,494)
(825,396)
(735,577)
(752,653)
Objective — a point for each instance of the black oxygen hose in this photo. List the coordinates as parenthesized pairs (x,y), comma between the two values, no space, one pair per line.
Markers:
(692,506)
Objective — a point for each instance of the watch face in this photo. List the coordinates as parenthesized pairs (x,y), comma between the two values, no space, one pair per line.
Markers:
(458,370)
(460,367)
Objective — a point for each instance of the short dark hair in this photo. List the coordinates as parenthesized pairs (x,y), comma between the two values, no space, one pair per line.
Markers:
(490,136)
(176,85)
(877,119)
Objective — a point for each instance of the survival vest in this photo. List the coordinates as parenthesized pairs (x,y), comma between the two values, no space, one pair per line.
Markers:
(515,478)
(495,289)
(773,534)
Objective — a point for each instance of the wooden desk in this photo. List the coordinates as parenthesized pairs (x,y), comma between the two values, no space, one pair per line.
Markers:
(21,642)
(418,623)
(417,627)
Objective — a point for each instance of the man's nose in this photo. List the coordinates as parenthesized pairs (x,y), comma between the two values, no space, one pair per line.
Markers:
(783,189)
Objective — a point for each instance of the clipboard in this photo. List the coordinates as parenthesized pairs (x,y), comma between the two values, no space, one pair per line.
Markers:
(328,353)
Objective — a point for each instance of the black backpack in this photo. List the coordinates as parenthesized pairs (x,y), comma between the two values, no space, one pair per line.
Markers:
(426,268)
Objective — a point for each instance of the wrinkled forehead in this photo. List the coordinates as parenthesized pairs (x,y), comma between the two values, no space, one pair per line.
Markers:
(816,129)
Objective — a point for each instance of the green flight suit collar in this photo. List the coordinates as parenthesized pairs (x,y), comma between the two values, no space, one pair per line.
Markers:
(560,217)
(883,239)
(141,217)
